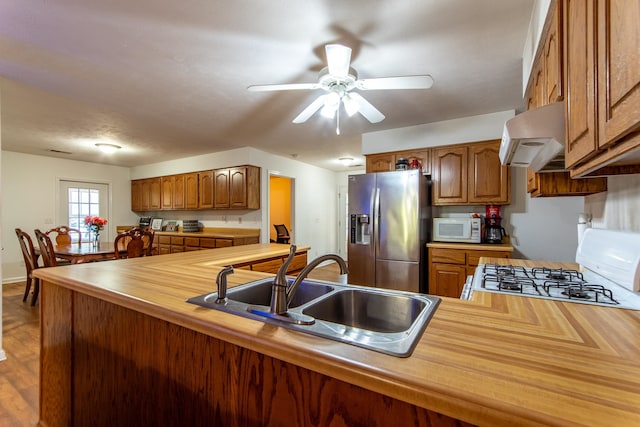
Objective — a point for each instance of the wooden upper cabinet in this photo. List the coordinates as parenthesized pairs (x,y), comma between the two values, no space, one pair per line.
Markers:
(230,188)
(205,183)
(552,60)
(470,174)
(221,189)
(618,69)
(489,181)
(602,63)
(136,195)
(386,162)
(579,62)
(237,188)
(167,183)
(449,174)
(382,162)
(191,190)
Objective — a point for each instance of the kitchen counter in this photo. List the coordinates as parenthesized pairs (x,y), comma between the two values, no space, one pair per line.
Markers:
(472,246)
(224,233)
(495,360)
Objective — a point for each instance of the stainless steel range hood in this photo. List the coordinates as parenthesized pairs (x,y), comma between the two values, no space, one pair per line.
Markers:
(535,139)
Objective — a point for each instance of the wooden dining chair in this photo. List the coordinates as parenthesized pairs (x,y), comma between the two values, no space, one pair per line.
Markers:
(282,233)
(47,251)
(138,243)
(31,263)
(63,236)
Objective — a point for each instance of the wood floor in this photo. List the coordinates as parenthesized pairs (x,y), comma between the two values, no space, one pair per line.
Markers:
(19,372)
(21,342)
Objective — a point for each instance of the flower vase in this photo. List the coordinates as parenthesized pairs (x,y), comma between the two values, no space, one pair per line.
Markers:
(96,238)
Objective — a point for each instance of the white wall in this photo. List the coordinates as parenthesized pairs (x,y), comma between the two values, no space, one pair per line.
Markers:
(466,129)
(619,207)
(315,196)
(540,228)
(30,196)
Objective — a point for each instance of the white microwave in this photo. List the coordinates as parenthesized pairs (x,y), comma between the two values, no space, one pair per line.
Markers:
(461,230)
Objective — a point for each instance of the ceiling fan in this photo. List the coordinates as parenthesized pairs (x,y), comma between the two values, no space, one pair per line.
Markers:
(338,80)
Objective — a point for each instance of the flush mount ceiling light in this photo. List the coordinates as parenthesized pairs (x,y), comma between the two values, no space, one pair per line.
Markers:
(108,148)
(346,161)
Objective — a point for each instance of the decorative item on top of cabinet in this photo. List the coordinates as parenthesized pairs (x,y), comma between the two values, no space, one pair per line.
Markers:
(602,63)
(386,162)
(448,268)
(470,174)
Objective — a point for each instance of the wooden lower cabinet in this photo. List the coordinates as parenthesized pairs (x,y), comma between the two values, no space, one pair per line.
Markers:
(449,268)
(272,265)
(102,364)
(167,244)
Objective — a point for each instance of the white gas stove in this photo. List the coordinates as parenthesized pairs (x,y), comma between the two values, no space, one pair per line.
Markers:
(609,274)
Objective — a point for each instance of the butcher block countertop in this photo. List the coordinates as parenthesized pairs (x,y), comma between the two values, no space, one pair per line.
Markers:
(495,360)
(472,246)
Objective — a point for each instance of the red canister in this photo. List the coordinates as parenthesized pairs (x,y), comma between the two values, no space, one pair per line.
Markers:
(493,211)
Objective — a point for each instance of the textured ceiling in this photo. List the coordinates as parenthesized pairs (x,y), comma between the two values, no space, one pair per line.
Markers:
(167,79)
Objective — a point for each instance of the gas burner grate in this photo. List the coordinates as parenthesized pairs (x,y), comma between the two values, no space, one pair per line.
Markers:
(557,274)
(581,291)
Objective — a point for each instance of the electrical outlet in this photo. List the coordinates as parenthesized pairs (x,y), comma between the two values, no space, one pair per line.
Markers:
(48,221)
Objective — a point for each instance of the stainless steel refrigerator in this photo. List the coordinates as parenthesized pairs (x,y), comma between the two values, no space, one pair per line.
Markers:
(389,226)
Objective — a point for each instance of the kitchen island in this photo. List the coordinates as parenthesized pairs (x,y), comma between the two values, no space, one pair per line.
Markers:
(119,343)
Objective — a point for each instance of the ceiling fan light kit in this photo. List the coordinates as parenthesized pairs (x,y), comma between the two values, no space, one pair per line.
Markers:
(338,79)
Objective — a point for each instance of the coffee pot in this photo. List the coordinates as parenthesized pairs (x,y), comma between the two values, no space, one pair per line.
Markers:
(493,231)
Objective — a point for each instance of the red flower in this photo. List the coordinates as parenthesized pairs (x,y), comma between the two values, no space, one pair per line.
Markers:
(95,221)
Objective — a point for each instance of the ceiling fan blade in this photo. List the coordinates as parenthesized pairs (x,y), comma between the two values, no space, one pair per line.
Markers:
(369,112)
(406,82)
(310,110)
(291,86)
(338,59)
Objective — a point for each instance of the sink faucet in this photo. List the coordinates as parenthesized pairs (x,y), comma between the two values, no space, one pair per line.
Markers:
(282,293)
(221,281)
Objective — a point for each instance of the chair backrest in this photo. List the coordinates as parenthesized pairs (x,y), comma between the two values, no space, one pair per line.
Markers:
(137,241)
(46,249)
(63,237)
(28,252)
(282,233)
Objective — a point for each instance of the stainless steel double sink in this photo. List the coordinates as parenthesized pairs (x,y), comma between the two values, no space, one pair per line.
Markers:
(386,321)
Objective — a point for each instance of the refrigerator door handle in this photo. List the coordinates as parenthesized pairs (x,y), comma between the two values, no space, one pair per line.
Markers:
(376,221)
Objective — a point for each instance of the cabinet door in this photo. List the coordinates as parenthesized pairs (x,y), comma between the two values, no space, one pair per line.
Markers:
(205,184)
(155,193)
(553,60)
(618,69)
(191,191)
(238,188)
(167,192)
(178,191)
(221,189)
(579,63)
(489,181)
(382,162)
(136,195)
(447,280)
(449,172)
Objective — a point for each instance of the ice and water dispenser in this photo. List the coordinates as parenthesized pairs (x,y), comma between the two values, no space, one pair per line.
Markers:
(360,229)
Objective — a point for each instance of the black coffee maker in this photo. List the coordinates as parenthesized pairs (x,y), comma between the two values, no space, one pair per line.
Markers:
(493,231)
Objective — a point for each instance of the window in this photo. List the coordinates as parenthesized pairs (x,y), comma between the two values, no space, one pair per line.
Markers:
(82,202)
(79,199)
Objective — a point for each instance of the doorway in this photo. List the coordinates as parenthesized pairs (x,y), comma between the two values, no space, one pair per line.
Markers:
(280,205)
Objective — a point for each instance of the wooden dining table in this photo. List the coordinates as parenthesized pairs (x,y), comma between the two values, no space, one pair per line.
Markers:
(78,253)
